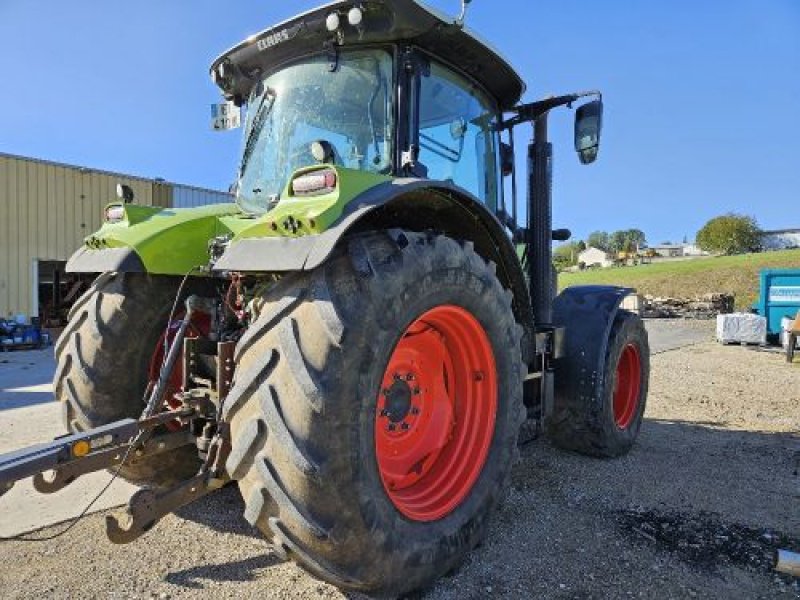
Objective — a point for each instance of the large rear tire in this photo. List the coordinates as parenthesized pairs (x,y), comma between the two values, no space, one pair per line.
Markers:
(333,391)
(103,359)
(607,424)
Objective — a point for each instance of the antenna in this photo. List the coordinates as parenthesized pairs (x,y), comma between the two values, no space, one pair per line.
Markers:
(459,22)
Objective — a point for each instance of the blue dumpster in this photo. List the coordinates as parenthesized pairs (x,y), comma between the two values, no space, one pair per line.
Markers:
(779,297)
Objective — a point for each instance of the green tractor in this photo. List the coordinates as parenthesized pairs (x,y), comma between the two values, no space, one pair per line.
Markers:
(361,341)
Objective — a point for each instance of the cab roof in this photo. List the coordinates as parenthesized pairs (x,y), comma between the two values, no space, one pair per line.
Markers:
(384,21)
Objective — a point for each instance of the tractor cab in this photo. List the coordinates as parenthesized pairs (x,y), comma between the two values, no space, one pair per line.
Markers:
(369,86)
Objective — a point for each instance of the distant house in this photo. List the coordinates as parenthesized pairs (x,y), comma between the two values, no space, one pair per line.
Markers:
(780,239)
(668,250)
(595,257)
(693,250)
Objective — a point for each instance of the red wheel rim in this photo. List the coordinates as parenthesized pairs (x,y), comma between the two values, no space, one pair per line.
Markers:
(627,386)
(435,413)
(199,326)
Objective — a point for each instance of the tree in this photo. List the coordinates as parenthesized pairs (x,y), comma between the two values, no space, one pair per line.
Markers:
(730,234)
(598,239)
(617,241)
(627,240)
(636,238)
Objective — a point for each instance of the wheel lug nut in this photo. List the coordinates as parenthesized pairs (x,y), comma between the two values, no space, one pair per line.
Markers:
(384,413)
(404,426)
(416,391)
(385,391)
(396,376)
(410,377)
(414,410)
(391,427)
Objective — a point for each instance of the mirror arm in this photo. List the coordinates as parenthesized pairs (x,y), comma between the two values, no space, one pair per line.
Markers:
(525,113)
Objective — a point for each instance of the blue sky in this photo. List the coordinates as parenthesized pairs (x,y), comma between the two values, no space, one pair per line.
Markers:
(701,98)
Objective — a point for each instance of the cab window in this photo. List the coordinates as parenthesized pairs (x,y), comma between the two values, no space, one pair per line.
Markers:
(456,138)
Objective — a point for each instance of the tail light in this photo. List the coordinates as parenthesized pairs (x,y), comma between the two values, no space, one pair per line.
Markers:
(315,183)
(114,213)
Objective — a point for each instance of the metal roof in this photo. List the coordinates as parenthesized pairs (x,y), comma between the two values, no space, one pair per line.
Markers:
(384,21)
(110,173)
(667,246)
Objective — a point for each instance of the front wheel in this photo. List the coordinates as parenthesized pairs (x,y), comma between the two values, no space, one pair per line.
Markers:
(607,423)
(375,411)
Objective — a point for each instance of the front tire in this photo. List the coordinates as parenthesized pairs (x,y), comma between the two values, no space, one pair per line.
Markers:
(607,424)
(315,394)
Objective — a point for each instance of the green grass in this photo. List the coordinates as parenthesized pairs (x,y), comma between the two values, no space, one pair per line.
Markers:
(737,275)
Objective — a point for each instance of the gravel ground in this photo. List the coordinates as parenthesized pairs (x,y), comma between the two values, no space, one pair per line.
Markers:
(695,510)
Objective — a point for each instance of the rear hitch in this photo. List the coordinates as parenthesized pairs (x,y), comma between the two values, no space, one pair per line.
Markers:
(148,506)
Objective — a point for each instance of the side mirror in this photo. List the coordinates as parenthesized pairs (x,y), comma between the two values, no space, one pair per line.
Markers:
(506,159)
(588,123)
(125,193)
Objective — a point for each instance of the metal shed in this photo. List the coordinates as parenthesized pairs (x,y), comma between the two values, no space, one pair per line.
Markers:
(47,208)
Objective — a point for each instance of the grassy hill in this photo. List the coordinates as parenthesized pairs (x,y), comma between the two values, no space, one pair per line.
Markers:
(736,275)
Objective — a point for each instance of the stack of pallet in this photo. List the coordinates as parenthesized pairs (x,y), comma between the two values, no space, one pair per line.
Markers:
(707,306)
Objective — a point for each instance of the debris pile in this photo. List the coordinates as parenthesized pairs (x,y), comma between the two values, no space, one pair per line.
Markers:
(705,541)
(707,306)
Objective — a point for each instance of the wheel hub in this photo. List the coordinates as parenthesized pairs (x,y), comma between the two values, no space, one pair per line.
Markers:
(398,401)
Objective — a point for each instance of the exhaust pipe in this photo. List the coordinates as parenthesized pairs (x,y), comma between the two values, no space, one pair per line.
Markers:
(788,562)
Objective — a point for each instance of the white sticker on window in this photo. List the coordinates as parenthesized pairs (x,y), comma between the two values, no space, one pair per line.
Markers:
(225,116)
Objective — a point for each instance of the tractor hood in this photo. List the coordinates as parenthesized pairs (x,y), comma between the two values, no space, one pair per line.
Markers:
(381,22)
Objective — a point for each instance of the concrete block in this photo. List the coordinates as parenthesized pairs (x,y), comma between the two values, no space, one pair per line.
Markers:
(742,328)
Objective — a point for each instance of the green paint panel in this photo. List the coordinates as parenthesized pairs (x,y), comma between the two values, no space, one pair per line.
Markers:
(296,216)
(168,240)
(172,241)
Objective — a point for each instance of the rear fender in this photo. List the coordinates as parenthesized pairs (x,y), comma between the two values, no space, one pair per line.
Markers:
(414,204)
(165,241)
(587,314)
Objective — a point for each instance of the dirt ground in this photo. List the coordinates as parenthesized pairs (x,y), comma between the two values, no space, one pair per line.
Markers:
(695,510)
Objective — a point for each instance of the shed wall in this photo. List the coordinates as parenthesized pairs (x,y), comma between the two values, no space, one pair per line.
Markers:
(46,209)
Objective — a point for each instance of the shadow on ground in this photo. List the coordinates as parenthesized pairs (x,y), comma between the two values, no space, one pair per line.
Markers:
(26,378)
(235,571)
(25,396)
(222,511)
